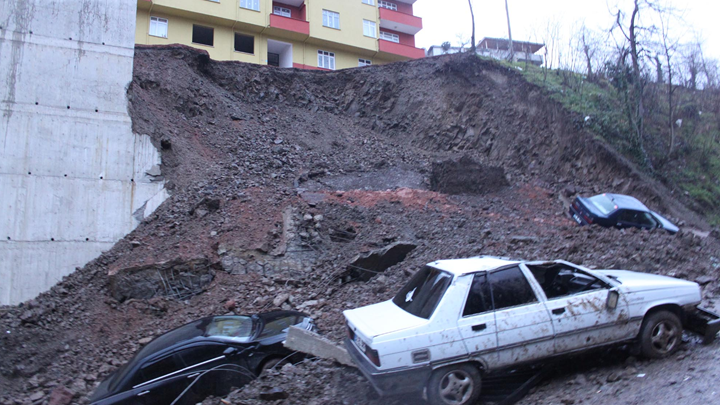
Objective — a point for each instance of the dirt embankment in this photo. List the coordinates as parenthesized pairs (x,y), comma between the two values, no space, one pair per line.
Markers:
(280,179)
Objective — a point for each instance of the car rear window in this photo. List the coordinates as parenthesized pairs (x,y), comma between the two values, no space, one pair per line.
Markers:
(604,204)
(421,295)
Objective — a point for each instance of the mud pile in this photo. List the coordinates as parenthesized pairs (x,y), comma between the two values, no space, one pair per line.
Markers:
(281,179)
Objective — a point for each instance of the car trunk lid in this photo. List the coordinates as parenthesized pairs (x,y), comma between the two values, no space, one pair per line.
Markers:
(393,319)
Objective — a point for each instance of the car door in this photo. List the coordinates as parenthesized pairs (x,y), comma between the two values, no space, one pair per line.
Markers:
(636,219)
(477,321)
(577,303)
(159,381)
(208,370)
(524,327)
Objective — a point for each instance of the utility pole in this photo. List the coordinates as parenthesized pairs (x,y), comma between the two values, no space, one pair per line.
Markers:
(512,50)
(472,38)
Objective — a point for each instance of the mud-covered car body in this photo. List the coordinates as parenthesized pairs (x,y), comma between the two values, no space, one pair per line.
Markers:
(494,313)
(617,210)
(205,357)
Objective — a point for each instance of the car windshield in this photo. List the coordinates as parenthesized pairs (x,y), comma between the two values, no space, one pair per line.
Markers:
(603,204)
(422,294)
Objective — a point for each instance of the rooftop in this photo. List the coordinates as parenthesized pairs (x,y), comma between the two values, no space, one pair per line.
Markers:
(472,264)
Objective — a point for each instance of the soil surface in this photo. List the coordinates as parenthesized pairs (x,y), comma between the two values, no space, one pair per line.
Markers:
(281,178)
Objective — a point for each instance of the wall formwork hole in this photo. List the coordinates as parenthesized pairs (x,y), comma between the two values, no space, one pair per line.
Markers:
(36,103)
(8,238)
(29,172)
(101,177)
(65,175)
(68,107)
(52,239)
(87,239)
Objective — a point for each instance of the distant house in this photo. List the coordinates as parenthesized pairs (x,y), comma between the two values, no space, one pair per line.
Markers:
(497,48)
(436,50)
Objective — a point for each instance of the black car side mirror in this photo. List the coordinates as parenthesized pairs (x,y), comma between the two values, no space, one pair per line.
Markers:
(230,351)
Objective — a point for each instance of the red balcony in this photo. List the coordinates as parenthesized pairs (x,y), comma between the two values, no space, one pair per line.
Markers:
(400,49)
(290,24)
(402,22)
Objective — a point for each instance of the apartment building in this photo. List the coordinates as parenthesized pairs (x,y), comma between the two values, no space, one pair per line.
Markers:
(307,34)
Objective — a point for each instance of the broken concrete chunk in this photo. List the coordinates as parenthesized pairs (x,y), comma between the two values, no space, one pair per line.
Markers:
(178,278)
(154,171)
(365,266)
(313,344)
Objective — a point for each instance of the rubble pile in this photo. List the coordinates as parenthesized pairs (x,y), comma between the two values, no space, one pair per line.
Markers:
(324,191)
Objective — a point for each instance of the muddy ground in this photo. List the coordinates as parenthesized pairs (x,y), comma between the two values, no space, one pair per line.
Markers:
(280,178)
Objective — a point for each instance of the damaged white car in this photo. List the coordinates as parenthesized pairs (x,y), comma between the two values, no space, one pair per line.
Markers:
(457,320)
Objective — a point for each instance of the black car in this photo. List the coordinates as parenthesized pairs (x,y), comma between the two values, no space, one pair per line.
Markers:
(618,210)
(205,357)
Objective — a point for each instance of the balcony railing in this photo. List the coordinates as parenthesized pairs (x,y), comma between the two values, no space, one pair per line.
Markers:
(397,21)
(290,24)
(400,49)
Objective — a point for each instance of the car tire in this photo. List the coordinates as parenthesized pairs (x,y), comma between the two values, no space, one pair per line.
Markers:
(660,335)
(458,384)
(270,363)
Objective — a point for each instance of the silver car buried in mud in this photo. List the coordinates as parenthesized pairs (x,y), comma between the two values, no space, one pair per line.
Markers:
(456,320)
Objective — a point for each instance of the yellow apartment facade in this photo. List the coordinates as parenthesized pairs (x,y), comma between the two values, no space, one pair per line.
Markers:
(306,34)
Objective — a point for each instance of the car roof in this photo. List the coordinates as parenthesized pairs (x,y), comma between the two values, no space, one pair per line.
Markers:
(472,264)
(627,202)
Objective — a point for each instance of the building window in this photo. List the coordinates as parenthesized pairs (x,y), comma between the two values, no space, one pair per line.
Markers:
(244,43)
(369,28)
(370,2)
(364,62)
(388,5)
(202,35)
(282,11)
(326,60)
(331,19)
(389,36)
(158,27)
(250,4)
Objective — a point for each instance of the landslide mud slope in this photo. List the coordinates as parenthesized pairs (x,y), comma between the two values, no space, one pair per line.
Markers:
(280,178)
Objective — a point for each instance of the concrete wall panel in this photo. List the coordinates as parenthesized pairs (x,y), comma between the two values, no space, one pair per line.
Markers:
(74,179)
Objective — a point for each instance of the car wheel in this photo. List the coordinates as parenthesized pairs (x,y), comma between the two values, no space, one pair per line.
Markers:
(660,335)
(268,364)
(458,384)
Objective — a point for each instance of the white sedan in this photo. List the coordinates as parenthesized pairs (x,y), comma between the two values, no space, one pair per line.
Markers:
(456,320)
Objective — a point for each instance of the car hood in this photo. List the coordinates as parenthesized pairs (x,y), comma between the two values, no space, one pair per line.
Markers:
(382,318)
(635,281)
(666,224)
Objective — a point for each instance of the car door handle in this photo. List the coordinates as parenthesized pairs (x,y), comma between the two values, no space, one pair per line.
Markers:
(479,327)
(558,311)
(193,375)
(143,393)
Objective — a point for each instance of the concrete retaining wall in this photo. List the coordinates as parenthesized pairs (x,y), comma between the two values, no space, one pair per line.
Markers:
(73,176)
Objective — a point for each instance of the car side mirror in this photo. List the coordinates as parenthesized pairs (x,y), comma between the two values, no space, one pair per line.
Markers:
(612,299)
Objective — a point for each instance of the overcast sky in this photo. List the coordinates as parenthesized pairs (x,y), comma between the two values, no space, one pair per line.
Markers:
(444,20)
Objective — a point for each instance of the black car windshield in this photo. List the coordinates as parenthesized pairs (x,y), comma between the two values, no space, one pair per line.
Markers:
(604,204)
(421,295)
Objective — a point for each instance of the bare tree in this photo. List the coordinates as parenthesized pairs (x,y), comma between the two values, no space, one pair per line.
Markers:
(472,38)
(635,50)
(588,49)
(669,47)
